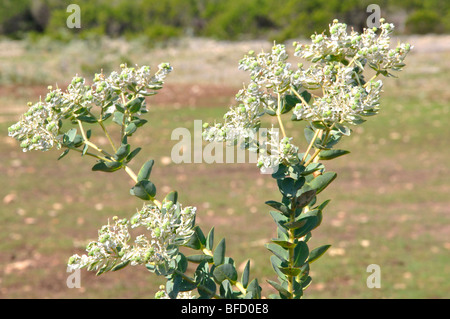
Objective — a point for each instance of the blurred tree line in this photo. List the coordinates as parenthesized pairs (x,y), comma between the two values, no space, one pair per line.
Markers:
(220,19)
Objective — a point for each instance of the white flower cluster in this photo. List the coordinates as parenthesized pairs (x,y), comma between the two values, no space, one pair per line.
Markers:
(269,70)
(274,152)
(167,227)
(342,102)
(170,225)
(241,120)
(339,62)
(39,127)
(131,79)
(162,294)
(368,47)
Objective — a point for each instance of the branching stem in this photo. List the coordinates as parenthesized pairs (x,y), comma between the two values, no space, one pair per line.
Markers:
(279,116)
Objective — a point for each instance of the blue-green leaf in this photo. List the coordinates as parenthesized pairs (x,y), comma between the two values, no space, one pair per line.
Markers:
(279,206)
(279,251)
(135,105)
(146,169)
(219,253)
(144,189)
(107,167)
(130,129)
(132,154)
(225,271)
(122,152)
(280,288)
(199,258)
(197,240)
(171,197)
(317,253)
(63,154)
(331,154)
(301,253)
(246,275)
(253,290)
(210,239)
(322,181)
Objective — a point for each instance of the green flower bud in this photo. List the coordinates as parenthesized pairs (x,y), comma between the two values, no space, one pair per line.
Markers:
(159,294)
(168,205)
(104,238)
(326,114)
(25,144)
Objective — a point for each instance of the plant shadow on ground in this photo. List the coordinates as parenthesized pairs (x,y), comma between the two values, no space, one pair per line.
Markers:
(389,205)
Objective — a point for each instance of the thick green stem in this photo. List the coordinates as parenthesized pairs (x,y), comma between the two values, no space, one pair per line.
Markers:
(371,79)
(108,159)
(299,96)
(89,143)
(291,263)
(291,249)
(107,135)
(310,146)
(90,154)
(122,129)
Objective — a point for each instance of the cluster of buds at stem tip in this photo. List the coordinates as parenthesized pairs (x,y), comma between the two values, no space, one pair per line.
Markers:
(166,228)
(40,127)
(337,61)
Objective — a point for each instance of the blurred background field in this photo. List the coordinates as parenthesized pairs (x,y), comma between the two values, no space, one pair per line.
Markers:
(390,202)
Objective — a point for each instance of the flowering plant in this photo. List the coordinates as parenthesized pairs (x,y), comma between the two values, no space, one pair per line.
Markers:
(329,95)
